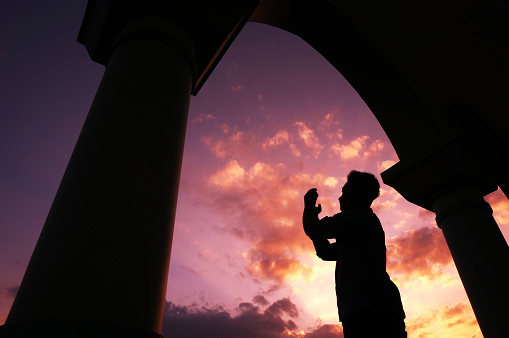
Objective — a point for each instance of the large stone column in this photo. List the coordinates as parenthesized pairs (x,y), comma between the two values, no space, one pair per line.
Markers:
(101,263)
(451,180)
(480,253)
(103,255)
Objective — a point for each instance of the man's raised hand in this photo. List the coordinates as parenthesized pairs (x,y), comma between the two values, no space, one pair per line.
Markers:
(310,200)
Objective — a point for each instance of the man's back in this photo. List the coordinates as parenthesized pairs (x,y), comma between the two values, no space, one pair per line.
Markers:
(361,278)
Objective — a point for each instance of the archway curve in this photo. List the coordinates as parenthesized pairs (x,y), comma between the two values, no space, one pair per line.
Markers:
(404,118)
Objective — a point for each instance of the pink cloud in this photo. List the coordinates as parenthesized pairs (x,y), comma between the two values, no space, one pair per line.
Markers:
(217,146)
(376,146)
(203,117)
(328,121)
(335,136)
(279,138)
(295,150)
(260,99)
(237,88)
(233,70)
(358,148)
(425,214)
(351,150)
(384,165)
(230,143)
(309,138)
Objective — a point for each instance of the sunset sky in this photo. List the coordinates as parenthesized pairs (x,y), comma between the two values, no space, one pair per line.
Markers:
(273,120)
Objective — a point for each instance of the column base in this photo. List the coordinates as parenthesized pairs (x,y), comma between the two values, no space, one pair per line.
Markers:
(72,328)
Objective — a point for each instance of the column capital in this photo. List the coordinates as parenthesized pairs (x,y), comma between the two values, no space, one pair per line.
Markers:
(450,164)
(459,200)
(210,28)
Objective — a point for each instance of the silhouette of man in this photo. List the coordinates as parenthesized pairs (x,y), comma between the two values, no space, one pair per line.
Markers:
(369,303)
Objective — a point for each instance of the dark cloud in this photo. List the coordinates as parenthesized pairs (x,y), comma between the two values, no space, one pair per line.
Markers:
(250,321)
(326,331)
(284,305)
(261,300)
(420,251)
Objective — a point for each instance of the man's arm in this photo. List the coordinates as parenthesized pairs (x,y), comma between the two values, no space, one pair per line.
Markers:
(314,227)
(325,250)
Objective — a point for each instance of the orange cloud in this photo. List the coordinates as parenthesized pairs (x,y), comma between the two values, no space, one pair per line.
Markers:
(274,265)
(230,176)
(266,205)
(452,321)
(418,252)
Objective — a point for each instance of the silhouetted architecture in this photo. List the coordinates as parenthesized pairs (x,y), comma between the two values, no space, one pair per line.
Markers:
(430,72)
(369,303)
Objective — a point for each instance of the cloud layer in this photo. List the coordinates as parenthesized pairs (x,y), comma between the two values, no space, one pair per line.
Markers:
(250,320)
(272,222)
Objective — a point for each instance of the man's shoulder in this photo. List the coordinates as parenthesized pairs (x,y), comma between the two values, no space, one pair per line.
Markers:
(355,213)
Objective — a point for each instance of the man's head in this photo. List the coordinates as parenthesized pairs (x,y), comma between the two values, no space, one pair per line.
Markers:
(360,190)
